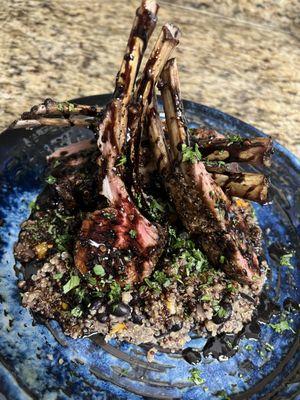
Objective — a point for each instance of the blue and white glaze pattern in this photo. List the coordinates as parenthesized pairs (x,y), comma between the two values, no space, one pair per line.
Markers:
(34,365)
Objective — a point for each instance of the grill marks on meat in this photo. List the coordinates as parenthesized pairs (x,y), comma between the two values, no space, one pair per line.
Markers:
(254,151)
(204,208)
(119,237)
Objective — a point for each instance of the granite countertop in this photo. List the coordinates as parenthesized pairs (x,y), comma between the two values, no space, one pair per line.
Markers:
(242,57)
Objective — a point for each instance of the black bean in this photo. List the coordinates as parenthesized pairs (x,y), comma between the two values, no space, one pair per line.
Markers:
(103,317)
(96,305)
(217,319)
(176,327)
(119,309)
(191,356)
(136,318)
(135,299)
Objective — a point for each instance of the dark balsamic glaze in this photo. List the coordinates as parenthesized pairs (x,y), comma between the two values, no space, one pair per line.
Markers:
(192,356)
(226,345)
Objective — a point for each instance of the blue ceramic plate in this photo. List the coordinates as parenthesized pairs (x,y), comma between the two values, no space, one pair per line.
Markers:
(39,362)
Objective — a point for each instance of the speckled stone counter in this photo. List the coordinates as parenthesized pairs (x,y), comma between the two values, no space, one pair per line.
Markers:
(242,57)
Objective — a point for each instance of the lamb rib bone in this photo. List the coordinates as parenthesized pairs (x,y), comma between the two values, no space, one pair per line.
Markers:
(74,120)
(55,113)
(165,44)
(141,31)
(204,208)
(119,237)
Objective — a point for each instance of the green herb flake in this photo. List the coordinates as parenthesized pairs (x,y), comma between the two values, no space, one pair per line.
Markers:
(72,283)
(235,139)
(248,347)
(124,372)
(60,107)
(138,198)
(132,233)
(92,280)
(71,106)
(58,276)
(191,155)
(222,259)
(99,270)
(127,287)
(269,347)
(62,241)
(56,163)
(195,377)
(231,288)
(220,311)
(285,260)
(153,285)
(206,297)
(156,209)
(80,293)
(108,215)
(122,161)
(115,292)
(282,326)
(33,205)
(51,180)
(76,312)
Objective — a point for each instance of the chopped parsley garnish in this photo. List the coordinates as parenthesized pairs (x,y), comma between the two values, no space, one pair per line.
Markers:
(285,260)
(195,260)
(58,276)
(115,292)
(156,209)
(127,287)
(220,311)
(282,326)
(51,180)
(235,139)
(152,285)
(222,259)
(99,270)
(162,278)
(80,293)
(195,377)
(76,312)
(92,280)
(62,241)
(33,205)
(124,372)
(108,215)
(231,288)
(138,198)
(122,161)
(191,155)
(215,163)
(56,163)
(132,233)
(72,283)
(206,297)
(248,347)
(69,106)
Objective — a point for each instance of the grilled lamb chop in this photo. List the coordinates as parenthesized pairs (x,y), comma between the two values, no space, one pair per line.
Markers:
(204,208)
(119,237)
